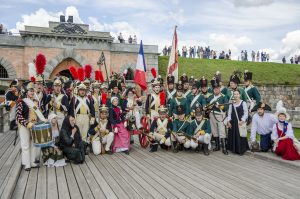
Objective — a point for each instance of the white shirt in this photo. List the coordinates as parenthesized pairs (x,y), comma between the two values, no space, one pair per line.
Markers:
(245,110)
(262,124)
(289,133)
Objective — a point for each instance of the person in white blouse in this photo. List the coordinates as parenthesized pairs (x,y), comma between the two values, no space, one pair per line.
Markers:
(237,116)
(262,124)
(283,137)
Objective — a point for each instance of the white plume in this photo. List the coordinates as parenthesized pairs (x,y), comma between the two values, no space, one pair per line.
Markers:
(31,70)
(280,107)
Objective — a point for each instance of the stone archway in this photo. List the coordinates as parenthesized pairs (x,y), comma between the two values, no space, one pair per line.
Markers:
(9,68)
(63,66)
(68,53)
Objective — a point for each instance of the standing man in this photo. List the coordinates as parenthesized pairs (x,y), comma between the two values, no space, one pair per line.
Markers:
(204,89)
(58,102)
(262,124)
(223,89)
(178,100)
(11,98)
(234,81)
(185,82)
(27,114)
(217,115)
(195,98)
(153,100)
(82,109)
(251,91)
(171,92)
(40,95)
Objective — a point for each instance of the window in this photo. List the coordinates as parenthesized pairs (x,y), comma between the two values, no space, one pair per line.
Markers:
(3,72)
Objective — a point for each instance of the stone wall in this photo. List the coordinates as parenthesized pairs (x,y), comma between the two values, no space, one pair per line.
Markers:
(290,95)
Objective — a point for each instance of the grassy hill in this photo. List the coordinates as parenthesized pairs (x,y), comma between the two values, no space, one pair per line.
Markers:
(263,73)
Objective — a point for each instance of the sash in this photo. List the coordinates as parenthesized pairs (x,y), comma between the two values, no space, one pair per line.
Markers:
(199,126)
(177,102)
(155,99)
(216,99)
(181,127)
(171,94)
(58,100)
(37,111)
(186,93)
(162,125)
(195,99)
(103,126)
(81,103)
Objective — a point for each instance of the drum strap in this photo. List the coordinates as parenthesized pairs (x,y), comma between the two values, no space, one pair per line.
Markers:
(155,100)
(186,93)
(199,126)
(162,125)
(31,105)
(170,94)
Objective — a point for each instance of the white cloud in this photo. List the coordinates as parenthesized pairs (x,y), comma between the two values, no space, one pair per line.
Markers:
(114,28)
(42,17)
(291,44)
(251,3)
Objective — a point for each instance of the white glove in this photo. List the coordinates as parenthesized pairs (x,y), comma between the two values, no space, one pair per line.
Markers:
(116,130)
(92,121)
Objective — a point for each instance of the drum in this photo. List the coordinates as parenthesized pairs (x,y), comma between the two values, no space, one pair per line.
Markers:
(41,135)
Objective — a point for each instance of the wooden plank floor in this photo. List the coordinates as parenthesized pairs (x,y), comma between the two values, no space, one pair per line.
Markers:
(161,175)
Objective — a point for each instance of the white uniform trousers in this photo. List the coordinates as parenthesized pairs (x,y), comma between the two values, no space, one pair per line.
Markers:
(83,123)
(202,139)
(107,139)
(217,126)
(28,150)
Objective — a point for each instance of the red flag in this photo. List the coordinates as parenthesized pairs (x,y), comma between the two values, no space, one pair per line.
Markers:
(173,60)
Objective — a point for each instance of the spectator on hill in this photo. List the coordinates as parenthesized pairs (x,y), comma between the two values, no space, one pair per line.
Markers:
(169,50)
(165,51)
(229,53)
(296,59)
(283,60)
(253,56)
(292,60)
(130,39)
(268,57)
(201,53)
(257,56)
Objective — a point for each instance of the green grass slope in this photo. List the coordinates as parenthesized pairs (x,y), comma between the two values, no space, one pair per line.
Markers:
(263,73)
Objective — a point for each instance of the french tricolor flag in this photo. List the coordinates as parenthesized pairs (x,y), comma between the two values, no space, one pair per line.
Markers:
(140,71)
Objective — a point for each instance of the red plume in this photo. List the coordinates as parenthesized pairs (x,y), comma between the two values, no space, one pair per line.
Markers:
(162,96)
(88,71)
(32,79)
(97,75)
(153,71)
(73,72)
(104,96)
(101,76)
(80,74)
(40,63)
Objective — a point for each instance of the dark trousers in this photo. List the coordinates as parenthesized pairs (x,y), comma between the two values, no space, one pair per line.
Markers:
(265,142)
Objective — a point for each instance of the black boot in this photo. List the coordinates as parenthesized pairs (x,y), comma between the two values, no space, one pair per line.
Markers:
(197,149)
(12,125)
(153,147)
(205,149)
(175,148)
(217,141)
(224,148)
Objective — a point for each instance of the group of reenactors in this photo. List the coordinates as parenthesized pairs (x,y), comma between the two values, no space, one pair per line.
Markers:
(186,115)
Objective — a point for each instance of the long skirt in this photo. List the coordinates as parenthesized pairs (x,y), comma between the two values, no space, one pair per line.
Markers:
(122,139)
(286,150)
(236,144)
(76,154)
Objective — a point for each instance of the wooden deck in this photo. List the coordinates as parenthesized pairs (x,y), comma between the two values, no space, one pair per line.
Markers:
(149,175)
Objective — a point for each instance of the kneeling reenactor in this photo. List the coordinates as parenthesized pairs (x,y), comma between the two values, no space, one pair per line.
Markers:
(179,130)
(160,130)
(101,133)
(199,131)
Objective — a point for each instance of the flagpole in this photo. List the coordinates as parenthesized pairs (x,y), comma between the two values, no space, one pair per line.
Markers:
(173,38)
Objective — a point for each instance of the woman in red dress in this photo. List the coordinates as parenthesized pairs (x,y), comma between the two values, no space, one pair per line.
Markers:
(283,136)
(122,136)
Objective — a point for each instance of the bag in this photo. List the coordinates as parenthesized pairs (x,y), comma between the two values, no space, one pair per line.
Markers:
(243,127)
(296,145)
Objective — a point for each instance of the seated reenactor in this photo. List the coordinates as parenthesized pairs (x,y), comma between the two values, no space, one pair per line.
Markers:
(179,129)
(199,132)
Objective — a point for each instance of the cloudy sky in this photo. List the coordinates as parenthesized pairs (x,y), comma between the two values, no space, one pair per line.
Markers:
(269,25)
